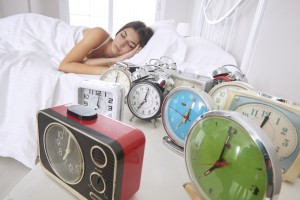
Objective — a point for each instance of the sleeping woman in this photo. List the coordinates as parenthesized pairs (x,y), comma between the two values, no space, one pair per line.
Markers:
(97,50)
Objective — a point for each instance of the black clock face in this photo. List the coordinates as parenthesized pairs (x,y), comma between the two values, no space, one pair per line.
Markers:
(63,153)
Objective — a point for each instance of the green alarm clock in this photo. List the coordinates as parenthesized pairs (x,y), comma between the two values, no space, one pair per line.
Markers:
(279,120)
(229,157)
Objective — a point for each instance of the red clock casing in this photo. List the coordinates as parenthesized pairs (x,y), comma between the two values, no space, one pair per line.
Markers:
(122,145)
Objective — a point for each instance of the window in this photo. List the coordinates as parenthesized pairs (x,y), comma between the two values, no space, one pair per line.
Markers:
(110,14)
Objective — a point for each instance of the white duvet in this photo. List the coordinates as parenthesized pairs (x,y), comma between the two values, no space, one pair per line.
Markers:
(31,48)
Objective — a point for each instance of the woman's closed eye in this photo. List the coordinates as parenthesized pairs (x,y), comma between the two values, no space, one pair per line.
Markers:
(131,45)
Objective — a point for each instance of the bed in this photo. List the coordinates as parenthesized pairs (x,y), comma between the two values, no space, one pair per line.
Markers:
(32,46)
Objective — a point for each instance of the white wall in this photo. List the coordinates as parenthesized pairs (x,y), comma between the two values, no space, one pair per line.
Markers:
(46,7)
(11,7)
(275,67)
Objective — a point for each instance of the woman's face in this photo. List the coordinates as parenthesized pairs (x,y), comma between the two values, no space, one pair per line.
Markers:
(125,41)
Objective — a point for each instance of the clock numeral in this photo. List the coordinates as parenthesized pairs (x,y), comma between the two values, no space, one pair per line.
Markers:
(110,100)
(245,114)
(285,143)
(278,120)
(85,103)
(60,134)
(222,94)
(98,92)
(110,108)
(254,189)
(86,96)
(58,142)
(71,168)
(284,131)
(254,112)
(265,113)
(60,151)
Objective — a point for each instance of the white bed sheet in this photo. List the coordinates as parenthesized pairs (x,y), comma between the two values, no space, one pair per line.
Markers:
(31,48)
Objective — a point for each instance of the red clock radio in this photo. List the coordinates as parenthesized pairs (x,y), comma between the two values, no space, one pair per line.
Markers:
(91,155)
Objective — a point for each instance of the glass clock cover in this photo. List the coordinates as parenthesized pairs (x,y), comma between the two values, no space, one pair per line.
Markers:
(64,153)
(118,75)
(181,108)
(280,122)
(228,158)
(144,100)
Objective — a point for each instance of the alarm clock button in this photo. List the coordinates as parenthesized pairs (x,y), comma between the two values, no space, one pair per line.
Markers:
(97,182)
(82,112)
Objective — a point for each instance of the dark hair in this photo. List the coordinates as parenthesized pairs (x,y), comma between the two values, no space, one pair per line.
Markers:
(144,32)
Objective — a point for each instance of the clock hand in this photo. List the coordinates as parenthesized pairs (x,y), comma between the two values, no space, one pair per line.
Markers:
(98,103)
(187,114)
(265,120)
(231,131)
(178,112)
(68,149)
(215,166)
(145,99)
(117,77)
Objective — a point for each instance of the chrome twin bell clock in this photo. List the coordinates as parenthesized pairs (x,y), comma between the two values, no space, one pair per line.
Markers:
(91,155)
(225,74)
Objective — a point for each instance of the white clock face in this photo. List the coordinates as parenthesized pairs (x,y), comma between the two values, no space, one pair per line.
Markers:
(277,126)
(118,76)
(219,93)
(102,101)
(183,82)
(144,100)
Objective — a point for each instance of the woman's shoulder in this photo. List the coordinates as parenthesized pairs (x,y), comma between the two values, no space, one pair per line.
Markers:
(97,32)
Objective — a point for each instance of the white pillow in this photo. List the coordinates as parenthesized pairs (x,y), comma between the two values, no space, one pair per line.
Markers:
(203,56)
(164,42)
(164,24)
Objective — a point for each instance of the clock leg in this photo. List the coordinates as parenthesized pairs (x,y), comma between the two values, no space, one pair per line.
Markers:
(154,123)
(131,118)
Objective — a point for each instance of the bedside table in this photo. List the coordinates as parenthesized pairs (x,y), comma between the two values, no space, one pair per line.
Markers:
(163,175)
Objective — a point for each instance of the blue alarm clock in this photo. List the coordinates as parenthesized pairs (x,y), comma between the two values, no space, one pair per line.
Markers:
(181,107)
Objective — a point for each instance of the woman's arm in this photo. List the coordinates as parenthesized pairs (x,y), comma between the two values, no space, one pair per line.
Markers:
(74,60)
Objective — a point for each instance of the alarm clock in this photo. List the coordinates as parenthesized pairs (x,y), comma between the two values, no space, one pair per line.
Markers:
(223,74)
(145,99)
(229,157)
(181,78)
(106,98)
(181,107)
(219,92)
(118,73)
(279,120)
(91,155)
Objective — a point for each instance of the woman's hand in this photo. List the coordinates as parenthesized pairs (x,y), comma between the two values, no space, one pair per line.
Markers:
(129,54)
